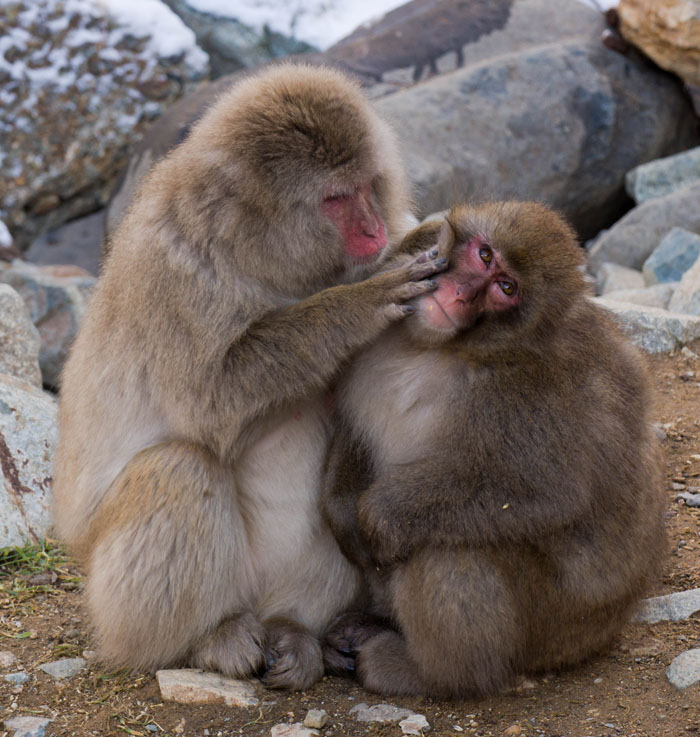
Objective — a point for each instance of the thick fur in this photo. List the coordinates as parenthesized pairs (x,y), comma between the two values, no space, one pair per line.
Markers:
(501,487)
(194,421)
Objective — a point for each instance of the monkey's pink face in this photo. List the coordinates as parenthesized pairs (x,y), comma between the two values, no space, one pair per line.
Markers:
(359,224)
(476,283)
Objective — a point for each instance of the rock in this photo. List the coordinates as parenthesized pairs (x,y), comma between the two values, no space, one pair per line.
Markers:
(657,295)
(684,670)
(56,297)
(669,608)
(653,330)
(569,114)
(418,40)
(27,445)
(7,659)
(613,277)
(668,31)
(77,243)
(64,669)
(686,296)
(17,678)
(73,106)
(293,730)
(630,241)
(193,686)
(663,176)
(379,713)
(19,339)
(415,724)
(675,254)
(316,718)
(27,726)
(691,500)
(232,45)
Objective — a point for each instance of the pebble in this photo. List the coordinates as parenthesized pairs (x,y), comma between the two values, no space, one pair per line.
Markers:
(415,724)
(672,607)
(7,659)
(193,686)
(316,718)
(27,726)
(675,486)
(65,668)
(687,353)
(515,730)
(17,678)
(293,730)
(684,670)
(379,713)
(691,500)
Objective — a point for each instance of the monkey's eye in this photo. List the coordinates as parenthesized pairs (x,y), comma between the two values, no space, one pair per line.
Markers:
(507,287)
(486,255)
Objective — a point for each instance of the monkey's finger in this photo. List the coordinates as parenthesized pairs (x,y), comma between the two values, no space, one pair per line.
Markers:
(413,289)
(396,312)
(421,269)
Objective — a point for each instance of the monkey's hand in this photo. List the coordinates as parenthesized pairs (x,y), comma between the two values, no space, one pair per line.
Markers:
(390,533)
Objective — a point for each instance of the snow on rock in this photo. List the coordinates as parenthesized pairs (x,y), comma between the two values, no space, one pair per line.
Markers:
(79,79)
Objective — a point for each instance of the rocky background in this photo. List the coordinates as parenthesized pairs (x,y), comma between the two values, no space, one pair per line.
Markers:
(594,113)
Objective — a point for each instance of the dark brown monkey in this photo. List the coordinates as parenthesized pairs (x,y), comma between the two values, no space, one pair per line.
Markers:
(193,419)
(495,473)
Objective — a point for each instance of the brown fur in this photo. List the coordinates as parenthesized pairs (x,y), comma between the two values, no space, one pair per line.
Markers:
(500,487)
(193,414)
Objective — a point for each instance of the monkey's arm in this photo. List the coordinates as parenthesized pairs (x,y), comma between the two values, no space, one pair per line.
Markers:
(294,352)
(347,475)
(421,504)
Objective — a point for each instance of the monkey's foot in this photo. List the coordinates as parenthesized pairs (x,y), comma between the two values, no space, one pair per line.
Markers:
(384,666)
(235,648)
(293,656)
(344,637)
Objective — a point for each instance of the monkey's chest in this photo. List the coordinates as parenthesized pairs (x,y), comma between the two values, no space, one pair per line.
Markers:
(395,401)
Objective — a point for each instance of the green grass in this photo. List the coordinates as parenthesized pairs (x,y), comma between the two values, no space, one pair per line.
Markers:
(29,560)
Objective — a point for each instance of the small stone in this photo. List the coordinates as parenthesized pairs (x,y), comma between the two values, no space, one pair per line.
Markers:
(513,731)
(613,277)
(193,686)
(691,500)
(415,724)
(316,718)
(293,730)
(675,254)
(457,728)
(675,486)
(687,353)
(670,608)
(663,176)
(65,668)
(27,726)
(7,659)
(89,654)
(17,678)
(597,680)
(684,670)
(379,713)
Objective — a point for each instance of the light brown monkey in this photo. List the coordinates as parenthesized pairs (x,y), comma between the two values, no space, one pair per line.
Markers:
(193,418)
(495,473)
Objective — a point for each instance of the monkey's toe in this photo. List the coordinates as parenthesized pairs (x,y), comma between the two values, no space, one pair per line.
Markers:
(344,638)
(294,659)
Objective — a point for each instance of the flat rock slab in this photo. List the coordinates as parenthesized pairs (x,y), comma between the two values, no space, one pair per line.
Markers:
(690,499)
(416,724)
(379,713)
(193,686)
(684,670)
(293,730)
(27,726)
(652,329)
(670,608)
(63,669)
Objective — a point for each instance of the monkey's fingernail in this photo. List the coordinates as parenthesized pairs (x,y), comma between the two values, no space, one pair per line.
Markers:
(433,283)
(434,252)
(408,309)
(441,262)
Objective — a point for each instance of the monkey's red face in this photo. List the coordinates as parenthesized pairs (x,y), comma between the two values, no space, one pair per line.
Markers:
(359,224)
(477,283)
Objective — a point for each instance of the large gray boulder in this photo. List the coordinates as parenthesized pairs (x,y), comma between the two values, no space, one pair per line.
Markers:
(19,339)
(28,418)
(631,240)
(561,124)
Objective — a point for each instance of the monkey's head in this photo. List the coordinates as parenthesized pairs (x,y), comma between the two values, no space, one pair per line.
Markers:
(514,270)
(308,155)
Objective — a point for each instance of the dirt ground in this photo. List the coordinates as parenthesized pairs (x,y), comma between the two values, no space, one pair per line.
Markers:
(624,692)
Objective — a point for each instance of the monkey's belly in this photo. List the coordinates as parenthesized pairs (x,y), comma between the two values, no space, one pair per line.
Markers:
(298,566)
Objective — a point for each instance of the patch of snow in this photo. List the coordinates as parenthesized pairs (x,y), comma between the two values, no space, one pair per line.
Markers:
(5,237)
(318,22)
